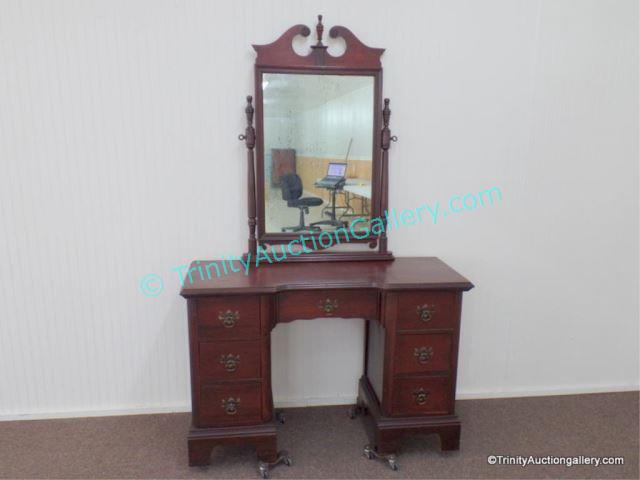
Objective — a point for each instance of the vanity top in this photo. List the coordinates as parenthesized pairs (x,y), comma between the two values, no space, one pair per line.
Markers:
(404,273)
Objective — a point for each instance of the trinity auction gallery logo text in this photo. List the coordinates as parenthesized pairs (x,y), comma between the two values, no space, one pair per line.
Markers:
(151,285)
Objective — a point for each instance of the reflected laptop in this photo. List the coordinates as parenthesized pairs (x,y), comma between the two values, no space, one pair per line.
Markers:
(335,177)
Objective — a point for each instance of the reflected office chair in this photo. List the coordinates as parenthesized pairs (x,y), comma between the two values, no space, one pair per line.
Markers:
(291,185)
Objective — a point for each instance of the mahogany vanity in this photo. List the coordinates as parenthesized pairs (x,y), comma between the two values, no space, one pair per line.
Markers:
(412,305)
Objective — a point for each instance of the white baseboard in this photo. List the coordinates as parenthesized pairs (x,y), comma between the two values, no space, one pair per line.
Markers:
(314,401)
(548,392)
(179,408)
(293,402)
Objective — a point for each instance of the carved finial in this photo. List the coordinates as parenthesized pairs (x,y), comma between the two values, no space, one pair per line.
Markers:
(386,113)
(319,30)
(249,133)
(249,110)
(386,133)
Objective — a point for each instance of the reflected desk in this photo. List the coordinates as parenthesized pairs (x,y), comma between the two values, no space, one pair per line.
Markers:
(360,188)
(408,386)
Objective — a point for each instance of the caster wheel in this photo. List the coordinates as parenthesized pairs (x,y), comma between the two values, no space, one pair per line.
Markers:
(392,464)
(280,418)
(288,462)
(264,472)
(367,452)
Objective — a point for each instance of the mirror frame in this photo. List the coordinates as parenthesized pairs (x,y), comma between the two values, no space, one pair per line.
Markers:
(357,59)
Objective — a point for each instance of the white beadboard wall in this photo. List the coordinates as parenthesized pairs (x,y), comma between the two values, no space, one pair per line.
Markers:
(119,157)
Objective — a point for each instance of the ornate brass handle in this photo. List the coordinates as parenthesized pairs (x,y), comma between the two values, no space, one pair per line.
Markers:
(328,305)
(420,396)
(230,362)
(229,318)
(230,405)
(423,354)
(425,312)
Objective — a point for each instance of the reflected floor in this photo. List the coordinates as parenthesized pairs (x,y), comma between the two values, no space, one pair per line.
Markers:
(279,215)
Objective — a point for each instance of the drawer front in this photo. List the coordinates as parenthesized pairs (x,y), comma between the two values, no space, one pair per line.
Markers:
(327,303)
(230,404)
(424,310)
(224,318)
(229,360)
(423,353)
(420,396)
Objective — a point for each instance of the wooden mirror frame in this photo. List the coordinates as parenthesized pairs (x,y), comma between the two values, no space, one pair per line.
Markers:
(358,59)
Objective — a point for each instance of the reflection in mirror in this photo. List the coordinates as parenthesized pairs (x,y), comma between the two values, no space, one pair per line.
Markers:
(318,140)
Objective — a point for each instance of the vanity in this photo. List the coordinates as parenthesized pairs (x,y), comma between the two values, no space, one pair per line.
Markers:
(318,156)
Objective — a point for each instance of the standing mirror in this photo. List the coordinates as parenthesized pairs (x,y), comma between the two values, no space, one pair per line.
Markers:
(321,144)
(318,151)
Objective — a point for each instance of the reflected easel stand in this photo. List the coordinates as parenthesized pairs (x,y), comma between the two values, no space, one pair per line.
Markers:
(334,181)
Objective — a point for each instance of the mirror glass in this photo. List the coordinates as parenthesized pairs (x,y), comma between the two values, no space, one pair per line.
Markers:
(318,145)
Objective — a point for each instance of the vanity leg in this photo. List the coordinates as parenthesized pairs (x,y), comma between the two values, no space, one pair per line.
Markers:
(358,409)
(201,441)
(267,451)
(450,438)
(200,452)
(385,446)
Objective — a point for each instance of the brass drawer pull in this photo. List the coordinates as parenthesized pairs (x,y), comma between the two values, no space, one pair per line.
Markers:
(328,305)
(420,396)
(230,405)
(229,318)
(425,312)
(423,354)
(230,362)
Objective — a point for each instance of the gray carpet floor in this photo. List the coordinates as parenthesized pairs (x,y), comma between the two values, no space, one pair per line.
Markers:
(324,443)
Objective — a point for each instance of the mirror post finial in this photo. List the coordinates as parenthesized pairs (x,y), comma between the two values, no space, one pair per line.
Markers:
(319,30)
(386,133)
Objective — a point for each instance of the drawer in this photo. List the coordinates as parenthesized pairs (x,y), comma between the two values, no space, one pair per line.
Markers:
(224,318)
(423,353)
(225,361)
(327,303)
(230,404)
(423,310)
(422,396)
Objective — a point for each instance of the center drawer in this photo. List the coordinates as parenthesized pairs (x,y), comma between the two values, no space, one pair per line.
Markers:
(308,304)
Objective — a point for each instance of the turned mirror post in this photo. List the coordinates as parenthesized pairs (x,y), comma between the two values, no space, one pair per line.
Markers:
(249,138)
(321,141)
(385,142)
